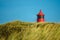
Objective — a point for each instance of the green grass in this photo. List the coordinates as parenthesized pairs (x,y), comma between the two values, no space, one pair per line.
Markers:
(29,31)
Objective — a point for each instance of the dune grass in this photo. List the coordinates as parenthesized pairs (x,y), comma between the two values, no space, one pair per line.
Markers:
(29,31)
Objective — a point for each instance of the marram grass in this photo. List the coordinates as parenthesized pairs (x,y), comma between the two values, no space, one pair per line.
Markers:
(29,31)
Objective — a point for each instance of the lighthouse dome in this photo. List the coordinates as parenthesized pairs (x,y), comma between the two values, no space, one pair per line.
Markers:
(40,13)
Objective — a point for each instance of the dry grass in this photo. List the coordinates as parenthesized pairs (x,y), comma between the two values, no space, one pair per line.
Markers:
(29,31)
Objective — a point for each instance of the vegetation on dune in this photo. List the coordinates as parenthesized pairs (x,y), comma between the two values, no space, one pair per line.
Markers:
(29,31)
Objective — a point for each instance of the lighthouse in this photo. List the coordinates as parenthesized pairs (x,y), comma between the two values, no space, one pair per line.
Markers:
(40,17)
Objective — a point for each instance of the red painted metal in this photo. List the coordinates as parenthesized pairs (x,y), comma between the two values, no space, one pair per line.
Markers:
(41,19)
(40,13)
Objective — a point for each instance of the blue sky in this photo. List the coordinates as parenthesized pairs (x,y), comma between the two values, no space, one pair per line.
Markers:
(26,10)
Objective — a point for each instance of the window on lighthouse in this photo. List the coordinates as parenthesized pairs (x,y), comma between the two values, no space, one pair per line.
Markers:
(40,16)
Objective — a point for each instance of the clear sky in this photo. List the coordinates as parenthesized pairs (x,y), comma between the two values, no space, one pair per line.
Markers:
(26,10)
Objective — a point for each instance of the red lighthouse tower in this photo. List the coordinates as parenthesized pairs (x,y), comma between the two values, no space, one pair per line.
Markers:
(40,17)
